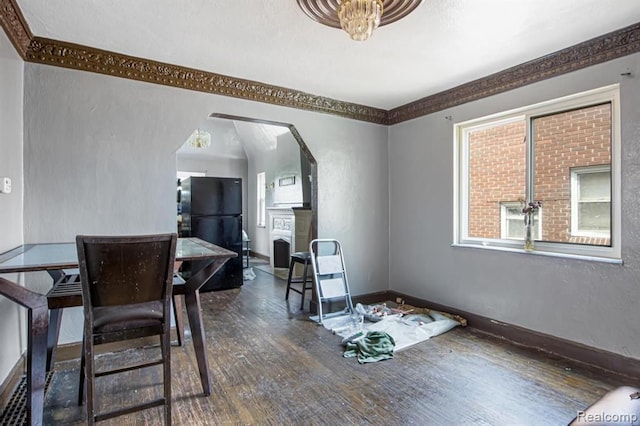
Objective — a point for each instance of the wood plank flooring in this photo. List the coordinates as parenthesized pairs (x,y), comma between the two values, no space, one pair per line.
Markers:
(270,365)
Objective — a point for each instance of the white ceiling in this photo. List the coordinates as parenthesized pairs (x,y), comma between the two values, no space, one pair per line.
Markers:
(234,139)
(442,44)
(225,141)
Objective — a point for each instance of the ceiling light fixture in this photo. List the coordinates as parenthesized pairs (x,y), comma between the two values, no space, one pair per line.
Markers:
(360,17)
(357,17)
(200,139)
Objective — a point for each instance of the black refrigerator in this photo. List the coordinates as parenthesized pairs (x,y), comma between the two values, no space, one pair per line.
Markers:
(211,209)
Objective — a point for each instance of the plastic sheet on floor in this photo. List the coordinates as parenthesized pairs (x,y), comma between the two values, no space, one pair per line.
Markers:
(406,330)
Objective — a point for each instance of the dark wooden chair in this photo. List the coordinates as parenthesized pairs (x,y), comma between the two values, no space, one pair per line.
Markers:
(126,291)
(306,281)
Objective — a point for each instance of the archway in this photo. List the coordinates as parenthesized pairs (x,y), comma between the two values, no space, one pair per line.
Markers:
(237,139)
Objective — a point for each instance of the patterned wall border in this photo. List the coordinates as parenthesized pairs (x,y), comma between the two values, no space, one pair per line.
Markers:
(610,46)
(15,26)
(597,50)
(69,55)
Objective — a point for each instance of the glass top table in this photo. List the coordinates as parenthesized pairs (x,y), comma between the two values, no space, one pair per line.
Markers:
(56,257)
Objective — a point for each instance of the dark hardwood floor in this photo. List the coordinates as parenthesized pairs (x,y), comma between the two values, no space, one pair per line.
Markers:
(272,366)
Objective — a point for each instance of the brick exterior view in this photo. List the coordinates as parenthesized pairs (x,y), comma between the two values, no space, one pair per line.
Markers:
(562,142)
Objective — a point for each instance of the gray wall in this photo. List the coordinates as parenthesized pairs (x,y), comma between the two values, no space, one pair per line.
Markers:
(592,303)
(100,158)
(12,318)
(288,165)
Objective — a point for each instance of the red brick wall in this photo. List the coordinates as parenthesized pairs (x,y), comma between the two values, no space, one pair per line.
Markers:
(497,168)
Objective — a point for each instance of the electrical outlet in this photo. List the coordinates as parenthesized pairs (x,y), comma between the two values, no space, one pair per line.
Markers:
(6,185)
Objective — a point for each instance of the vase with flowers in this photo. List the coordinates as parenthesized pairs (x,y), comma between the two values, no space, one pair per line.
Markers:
(529,211)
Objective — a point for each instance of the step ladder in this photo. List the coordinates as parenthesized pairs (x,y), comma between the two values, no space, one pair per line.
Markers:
(330,278)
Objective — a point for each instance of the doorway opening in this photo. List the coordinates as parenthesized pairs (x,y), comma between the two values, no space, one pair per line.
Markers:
(238,139)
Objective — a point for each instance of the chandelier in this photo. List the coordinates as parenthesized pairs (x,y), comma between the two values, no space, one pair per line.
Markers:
(357,17)
(199,139)
(360,17)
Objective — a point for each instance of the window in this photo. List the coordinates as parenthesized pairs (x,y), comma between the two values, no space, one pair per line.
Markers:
(261,190)
(591,202)
(512,222)
(564,153)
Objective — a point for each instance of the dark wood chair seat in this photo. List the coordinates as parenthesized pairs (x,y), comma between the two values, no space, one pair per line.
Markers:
(108,319)
(67,292)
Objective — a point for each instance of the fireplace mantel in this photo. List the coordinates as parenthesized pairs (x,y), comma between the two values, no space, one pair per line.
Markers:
(292,225)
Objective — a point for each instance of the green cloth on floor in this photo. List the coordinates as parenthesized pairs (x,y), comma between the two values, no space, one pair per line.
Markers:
(374,346)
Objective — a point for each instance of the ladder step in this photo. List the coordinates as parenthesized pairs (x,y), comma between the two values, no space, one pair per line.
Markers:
(330,277)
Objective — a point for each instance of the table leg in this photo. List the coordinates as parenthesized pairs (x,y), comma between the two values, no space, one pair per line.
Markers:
(55,318)
(177,313)
(177,305)
(38,323)
(192,300)
(36,364)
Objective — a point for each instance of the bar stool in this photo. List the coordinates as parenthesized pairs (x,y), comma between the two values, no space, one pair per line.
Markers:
(303,257)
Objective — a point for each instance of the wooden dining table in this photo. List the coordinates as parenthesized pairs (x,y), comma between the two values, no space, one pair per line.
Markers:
(58,259)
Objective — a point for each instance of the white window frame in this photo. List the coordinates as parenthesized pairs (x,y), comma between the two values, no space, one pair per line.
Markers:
(575,192)
(504,206)
(462,131)
(261,199)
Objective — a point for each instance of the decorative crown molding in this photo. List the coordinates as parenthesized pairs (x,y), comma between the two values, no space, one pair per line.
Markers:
(69,55)
(616,44)
(597,50)
(15,26)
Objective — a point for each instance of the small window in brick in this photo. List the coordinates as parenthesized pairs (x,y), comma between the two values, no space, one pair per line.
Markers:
(591,202)
(512,222)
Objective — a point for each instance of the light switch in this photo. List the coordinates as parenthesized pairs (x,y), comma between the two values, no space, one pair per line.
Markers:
(6,185)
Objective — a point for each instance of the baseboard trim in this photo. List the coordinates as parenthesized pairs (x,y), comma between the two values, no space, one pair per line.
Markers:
(259,255)
(591,356)
(68,352)
(371,298)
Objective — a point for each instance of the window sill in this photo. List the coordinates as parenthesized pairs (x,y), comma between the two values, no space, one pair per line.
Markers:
(541,253)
